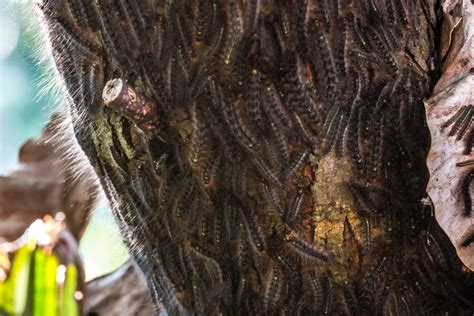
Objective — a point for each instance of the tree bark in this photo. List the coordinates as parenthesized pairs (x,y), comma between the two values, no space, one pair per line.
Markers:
(284,168)
(450,158)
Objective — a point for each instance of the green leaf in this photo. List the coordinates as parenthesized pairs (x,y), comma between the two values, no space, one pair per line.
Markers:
(14,290)
(45,293)
(69,303)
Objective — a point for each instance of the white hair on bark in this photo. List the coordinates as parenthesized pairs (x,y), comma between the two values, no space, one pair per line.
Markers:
(59,98)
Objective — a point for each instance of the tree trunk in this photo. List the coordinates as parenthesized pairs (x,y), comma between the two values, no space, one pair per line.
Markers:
(449,116)
(265,156)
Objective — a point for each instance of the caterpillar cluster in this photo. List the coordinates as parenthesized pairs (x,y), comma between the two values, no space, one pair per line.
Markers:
(214,202)
(460,124)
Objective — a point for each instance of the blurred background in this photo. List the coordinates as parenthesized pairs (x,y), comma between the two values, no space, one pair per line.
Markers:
(25,106)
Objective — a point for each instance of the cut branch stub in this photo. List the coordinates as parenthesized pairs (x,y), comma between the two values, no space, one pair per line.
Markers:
(133,105)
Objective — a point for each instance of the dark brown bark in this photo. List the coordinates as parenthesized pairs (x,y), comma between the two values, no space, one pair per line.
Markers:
(288,170)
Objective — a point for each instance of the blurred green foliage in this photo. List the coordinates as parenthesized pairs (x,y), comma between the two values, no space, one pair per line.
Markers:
(34,285)
(13,291)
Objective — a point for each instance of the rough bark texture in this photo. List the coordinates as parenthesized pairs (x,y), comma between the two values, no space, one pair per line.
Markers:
(450,113)
(287,169)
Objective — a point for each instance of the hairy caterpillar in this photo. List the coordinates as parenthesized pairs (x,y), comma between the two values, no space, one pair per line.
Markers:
(232,97)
